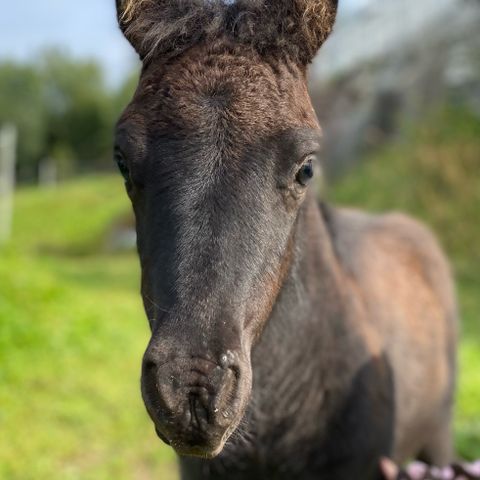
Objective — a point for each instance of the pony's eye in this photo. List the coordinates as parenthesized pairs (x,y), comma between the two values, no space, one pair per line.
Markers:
(122,165)
(306,172)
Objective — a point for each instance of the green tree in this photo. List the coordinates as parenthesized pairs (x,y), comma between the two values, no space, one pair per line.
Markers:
(63,109)
(21,103)
(79,118)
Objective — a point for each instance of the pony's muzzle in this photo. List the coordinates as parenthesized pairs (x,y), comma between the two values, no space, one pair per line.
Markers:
(195,403)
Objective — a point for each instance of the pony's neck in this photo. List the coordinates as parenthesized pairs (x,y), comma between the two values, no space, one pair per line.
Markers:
(295,350)
(313,288)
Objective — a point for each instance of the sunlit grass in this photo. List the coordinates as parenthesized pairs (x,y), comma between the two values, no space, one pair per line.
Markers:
(72,333)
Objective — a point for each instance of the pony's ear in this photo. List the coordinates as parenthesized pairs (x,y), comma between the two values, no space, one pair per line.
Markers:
(297,26)
(315,20)
(131,19)
(166,27)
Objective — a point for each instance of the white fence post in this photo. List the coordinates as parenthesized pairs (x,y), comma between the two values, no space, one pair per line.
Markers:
(8,148)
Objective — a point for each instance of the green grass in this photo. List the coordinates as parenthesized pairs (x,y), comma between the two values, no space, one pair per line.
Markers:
(434,175)
(72,332)
(72,329)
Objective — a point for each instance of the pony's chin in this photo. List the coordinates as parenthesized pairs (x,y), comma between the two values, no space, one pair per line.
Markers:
(196,447)
(199,452)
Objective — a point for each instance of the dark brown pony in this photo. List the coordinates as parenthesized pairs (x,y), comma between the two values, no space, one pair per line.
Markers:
(290,340)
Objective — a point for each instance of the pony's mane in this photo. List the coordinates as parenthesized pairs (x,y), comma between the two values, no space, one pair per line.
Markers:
(168,27)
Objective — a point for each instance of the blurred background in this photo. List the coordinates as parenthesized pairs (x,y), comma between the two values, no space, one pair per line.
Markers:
(397,90)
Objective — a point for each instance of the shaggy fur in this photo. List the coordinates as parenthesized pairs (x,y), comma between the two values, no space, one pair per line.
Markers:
(168,27)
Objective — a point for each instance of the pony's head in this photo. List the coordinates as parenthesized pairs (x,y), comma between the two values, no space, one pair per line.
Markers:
(217,148)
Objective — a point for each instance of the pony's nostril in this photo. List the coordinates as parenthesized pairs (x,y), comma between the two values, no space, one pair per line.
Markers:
(149,366)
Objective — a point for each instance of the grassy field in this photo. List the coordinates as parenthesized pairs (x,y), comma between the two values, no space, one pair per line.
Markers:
(72,330)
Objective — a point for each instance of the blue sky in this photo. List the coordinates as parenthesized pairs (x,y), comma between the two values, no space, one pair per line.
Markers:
(86,28)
